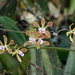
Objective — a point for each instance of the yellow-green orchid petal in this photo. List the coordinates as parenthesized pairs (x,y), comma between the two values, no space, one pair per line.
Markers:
(71,39)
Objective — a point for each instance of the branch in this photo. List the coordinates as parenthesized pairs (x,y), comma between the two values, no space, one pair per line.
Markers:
(52,48)
(34,65)
(51,34)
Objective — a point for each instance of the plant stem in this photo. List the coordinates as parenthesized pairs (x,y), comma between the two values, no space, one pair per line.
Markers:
(51,34)
(52,48)
(66,40)
(12,31)
(34,65)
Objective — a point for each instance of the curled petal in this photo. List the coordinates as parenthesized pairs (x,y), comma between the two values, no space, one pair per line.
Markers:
(11,42)
(46,43)
(36,24)
(27,43)
(47,34)
(37,44)
(5,39)
(28,33)
(2,51)
(18,58)
(9,50)
(24,50)
(73,29)
(49,24)
(1,43)
(70,26)
(67,33)
(34,32)
(71,39)
(43,22)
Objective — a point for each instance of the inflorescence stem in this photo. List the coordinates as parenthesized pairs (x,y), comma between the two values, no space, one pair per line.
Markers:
(34,65)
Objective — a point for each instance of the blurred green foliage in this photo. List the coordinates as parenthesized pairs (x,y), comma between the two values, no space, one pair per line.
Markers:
(45,59)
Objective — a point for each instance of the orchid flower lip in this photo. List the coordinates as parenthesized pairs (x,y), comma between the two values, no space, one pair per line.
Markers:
(32,40)
(42,30)
(21,53)
(41,41)
(74,32)
(2,47)
(55,34)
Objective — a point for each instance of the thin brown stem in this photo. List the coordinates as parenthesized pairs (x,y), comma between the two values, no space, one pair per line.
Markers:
(53,48)
(34,65)
(66,40)
(62,30)
(50,32)
(12,31)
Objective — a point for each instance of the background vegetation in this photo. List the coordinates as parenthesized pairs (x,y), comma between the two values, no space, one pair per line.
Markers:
(19,15)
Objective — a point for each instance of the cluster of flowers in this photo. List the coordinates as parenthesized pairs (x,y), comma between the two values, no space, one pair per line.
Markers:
(35,38)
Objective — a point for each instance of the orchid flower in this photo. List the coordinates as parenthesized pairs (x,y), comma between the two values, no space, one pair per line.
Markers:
(72,31)
(43,28)
(18,52)
(5,46)
(46,43)
(32,38)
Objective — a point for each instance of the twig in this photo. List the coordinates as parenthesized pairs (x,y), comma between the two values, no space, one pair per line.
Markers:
(52,48)
(62,37)
(66,40)
(34,65)
(12,31)
(62,30)
(24,32)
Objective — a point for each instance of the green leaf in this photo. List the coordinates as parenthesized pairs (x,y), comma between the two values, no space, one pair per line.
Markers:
(53,59)
(70,65)
(47,63)
(10,64)
(72,7)
(43,5)
(8,24)
(9,8)
(19,38)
